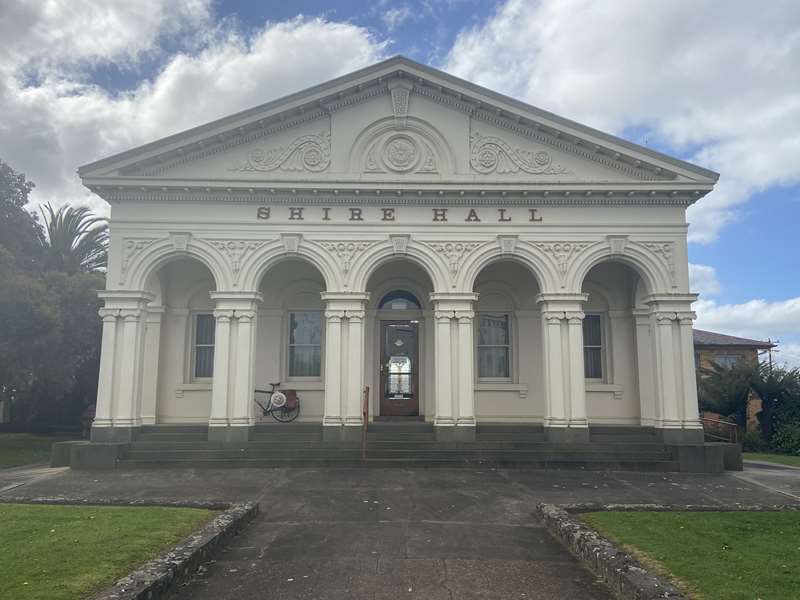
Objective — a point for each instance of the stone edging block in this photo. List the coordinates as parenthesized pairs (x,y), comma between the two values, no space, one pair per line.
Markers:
(155,578)
(626,577)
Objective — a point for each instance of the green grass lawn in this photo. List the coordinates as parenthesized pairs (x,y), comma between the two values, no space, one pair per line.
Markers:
(714,555)
(69,552)
(25,448)
(781,459)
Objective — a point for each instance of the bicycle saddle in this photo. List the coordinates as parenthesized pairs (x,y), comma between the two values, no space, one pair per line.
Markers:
(276,384)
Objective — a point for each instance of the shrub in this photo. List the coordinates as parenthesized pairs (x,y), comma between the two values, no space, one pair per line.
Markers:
(787,439)
(753,442)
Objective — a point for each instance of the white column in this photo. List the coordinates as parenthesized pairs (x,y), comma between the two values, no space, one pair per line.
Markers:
(555,409)
(443,364)
(126,414)
(104,407)
(333,367)
(669,405)
(220,385)
(690,413)
(577,378)
(355,367)
(466,362)
(241,410)
(644,371)
(152,345)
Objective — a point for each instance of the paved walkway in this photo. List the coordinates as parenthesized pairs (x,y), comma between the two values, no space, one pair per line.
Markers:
(415,534)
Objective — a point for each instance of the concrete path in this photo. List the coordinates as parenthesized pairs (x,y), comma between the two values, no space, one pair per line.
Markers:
(380,534)
(14,477)
(783,479)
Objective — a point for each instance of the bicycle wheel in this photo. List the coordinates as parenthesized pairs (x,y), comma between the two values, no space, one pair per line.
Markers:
(286,415)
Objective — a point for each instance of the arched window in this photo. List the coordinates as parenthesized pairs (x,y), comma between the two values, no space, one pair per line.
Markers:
(399,300)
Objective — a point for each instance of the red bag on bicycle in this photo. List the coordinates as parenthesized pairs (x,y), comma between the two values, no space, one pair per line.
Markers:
(291,399)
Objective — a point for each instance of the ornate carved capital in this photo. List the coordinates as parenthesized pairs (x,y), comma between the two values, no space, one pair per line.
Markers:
(108,315)
(334,316)
(443,315)
(552,317)
(223,315)
(575,317)
(465,316)
(665,317)
(245,315)
(686,318)
(355,316)
(131,315)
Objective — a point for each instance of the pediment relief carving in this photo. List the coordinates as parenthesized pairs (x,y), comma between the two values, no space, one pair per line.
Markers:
(491,155)
(310,153)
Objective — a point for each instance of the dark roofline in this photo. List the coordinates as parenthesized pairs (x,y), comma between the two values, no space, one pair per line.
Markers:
(717,340)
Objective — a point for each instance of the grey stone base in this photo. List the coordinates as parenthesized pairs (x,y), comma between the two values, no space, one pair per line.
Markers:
(114,434)
(567,435)
(94,455)
(458,433)
(229,434)
(61,453)
(342,433)
(700,458)
(681,436)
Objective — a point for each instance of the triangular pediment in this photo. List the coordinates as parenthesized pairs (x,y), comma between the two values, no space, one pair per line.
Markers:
(399,123)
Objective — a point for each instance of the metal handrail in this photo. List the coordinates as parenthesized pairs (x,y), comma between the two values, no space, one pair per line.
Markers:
(732,429)
(364,421)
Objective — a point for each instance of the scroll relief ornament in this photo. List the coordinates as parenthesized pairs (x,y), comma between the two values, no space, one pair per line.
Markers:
(400,153)
(453,252)
(235,251)
(306,153)
(130,248)
(562,253)
(665,252)
(346,252)
(493,155)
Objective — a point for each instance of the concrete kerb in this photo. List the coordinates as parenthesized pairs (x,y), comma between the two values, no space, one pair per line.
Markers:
(157,577)
(624,575)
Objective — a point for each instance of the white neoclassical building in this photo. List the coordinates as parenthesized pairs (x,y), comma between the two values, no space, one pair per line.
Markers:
(470,258)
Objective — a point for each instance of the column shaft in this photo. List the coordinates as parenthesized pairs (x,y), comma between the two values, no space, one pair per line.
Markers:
(444,385)
(690,413)
(355,367)
(104,408)
(669,406)
(333,368)
(555,410)
(577,379)
(220,385)
(242,414)
(466,362)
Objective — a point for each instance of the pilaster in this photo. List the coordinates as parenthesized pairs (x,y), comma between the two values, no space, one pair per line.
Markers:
(104,407)
(333,368)
(150,358)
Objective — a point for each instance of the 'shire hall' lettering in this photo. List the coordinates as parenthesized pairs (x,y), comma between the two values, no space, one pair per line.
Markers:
(437,215)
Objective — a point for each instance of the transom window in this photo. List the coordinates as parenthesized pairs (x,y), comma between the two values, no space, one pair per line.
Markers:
(494,346)
(727,360)
(593,347)
(305,344)
(399,300)
(204,326)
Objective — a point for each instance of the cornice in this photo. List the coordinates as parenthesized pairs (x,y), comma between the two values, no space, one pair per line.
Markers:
(403,197)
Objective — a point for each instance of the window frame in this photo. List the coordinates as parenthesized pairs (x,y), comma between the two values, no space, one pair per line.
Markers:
(510,345)
(288,348)
(601,347)
(193,377)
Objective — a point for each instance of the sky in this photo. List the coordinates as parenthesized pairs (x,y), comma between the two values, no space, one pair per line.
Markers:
(714,82)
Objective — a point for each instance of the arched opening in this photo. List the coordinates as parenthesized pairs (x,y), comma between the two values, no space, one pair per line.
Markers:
(400,340)
(290,333)
(178,353)
(613,344)
(508,344)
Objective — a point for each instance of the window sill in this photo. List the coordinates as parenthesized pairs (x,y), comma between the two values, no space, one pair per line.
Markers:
(500,386)
(197,386)
(313,385)
(599,386)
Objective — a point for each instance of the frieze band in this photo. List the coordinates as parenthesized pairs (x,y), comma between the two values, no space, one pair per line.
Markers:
(390,214)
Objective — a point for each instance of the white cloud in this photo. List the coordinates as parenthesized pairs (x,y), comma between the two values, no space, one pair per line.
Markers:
(703,280)
(396,16)
(56,121)
(756,319)
(717,80)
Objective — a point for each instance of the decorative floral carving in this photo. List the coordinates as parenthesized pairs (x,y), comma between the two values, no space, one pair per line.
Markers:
(401,153)
(235,250)
(665,251)
(453,252)
(562,252)
(306,153)
(493,155)
(130,248)
(345,251)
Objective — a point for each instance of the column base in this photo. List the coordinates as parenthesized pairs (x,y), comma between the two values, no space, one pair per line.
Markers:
(678,437)
(451,433)
(329,421)
(121,434)
(228,433)
(567,435)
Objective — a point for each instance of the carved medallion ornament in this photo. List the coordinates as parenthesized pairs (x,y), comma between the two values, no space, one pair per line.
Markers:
(453,252)
(400,153)
(562,252)
(235,250)
(490,155)
(307,153)
(345,251)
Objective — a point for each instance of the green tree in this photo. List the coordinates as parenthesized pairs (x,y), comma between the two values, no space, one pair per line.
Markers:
(726,390)
(20,232)
(779,389)
(76,241)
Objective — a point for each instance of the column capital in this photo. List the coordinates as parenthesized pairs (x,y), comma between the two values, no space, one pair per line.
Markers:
(553,316)
(131,315)
(575,316)
(443,315)
(465,316)
(664,317)
(686,318)
(334,316)
(245,315)
(355,316)
(223,315)
(108,315)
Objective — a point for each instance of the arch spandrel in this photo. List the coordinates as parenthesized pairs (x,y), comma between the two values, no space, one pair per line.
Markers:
(523,253)
(654,272)
(386,251)
(161,251)
(269,254)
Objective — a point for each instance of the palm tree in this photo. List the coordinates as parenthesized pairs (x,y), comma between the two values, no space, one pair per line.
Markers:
(77,240)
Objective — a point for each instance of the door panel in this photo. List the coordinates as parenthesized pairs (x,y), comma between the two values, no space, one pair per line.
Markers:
(399,368)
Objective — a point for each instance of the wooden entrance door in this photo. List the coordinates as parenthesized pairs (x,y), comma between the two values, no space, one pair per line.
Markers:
(399,368)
